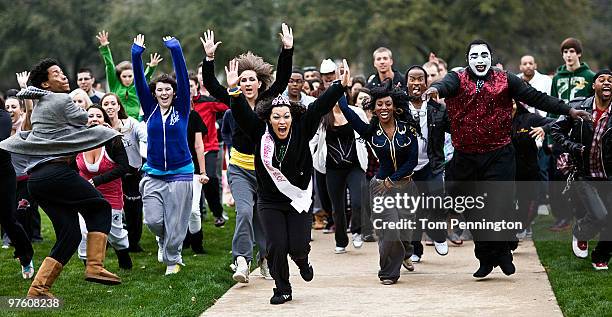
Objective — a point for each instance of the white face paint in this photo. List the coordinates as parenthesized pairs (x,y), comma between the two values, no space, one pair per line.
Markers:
(479,59)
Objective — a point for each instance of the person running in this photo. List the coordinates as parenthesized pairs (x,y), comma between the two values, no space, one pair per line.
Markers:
(134,135)
(281,131)
(167,185)
(393,137)
(120,78)
(103,168)
(59,130)
(256,84)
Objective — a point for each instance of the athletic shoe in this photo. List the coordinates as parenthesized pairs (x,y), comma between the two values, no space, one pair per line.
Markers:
(415,258)
(242,270)
(307,273)
(329,229)
(521,235)
(160,255)
(339,250)
(357,240)
(172,269)
(407,263)
(506,265)
(441,247)
(455,239)
(27,272)
(580,248)
(388,282)
(279,298)
(369,238)
(264,270)
(219,222)
(224,215)
(600,266)
(483,270)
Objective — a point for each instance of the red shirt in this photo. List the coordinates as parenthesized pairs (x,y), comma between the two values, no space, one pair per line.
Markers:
(113,190)
(207,107)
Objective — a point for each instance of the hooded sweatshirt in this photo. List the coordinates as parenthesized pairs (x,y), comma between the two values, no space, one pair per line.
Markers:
(568,85)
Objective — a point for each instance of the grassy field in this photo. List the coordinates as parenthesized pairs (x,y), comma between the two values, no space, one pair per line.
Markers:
(145,290)
(580,290)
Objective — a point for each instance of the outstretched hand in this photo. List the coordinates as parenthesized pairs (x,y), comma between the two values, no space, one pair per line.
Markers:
(286,36)
(208,42)
(167,38)
(155,59)
(231,74)
(344,74)
(103,38)
(431,92)
(22,79)
(580,115)
(537,133)
(140,40)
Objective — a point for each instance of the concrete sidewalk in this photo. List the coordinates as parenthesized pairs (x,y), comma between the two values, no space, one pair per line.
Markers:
(347,284)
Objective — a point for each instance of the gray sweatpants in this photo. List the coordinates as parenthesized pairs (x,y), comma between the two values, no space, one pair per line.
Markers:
(243,184)
(166,207)
(117,237)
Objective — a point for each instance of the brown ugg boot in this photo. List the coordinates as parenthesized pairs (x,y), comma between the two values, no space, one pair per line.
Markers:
(49,270)
(319,220)
(96,252)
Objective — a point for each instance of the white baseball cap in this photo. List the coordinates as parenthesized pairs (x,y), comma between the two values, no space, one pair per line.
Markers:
(328,66)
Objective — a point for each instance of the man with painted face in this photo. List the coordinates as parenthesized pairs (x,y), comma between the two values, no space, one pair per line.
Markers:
(479,105)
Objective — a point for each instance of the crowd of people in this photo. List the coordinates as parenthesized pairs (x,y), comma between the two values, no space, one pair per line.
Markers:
(306,149)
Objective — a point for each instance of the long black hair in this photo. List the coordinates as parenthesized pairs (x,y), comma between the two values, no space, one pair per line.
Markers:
(264,107)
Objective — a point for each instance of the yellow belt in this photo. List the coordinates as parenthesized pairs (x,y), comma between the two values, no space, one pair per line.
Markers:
(246,161)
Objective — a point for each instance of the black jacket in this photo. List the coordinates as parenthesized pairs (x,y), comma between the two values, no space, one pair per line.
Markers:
(437,125)
(572,135)
(526,151)
(374,80)
(296,165)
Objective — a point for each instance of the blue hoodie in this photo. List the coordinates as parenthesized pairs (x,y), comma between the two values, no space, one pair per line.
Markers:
(167,149)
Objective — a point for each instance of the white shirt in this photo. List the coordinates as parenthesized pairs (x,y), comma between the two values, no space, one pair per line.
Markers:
(541,83)
(422,115)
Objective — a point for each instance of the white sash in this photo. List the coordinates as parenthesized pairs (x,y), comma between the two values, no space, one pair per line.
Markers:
(300,199)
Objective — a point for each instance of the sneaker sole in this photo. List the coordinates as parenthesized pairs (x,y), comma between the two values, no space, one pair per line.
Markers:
(339,252)
(240,278)
(600,268)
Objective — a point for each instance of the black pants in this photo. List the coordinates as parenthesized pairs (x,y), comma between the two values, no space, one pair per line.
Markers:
(430,185)
(210,190)
(559,204)
(132,206)
(338,180)
(491,172)
(8,207)
(287,233)
(62,194)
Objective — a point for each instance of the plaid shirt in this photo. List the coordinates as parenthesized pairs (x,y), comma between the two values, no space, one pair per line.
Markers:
(600,120)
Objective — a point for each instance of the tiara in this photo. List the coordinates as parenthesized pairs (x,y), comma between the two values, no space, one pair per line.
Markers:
(281,100)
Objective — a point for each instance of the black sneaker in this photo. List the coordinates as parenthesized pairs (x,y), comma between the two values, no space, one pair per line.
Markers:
(124,259)
(219,222)
(483,270)
(279,298)
(307,273)
(506,265)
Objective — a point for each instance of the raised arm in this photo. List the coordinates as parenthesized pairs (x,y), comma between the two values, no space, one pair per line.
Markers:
(152,65)
(109,65)
(140,83)
(284,65)
(245,117)
(447,87)
(354,120)
(208,69)
(183,99)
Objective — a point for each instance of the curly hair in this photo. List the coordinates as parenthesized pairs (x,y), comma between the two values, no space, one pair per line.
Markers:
(401,104)
(264,107)
(163,78)
(263,70)
(40,72)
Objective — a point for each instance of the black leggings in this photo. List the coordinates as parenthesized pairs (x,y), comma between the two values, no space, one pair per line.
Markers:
(8,207)
(337,182)
(62,194)
(132,206)
(210,190)
(287,233)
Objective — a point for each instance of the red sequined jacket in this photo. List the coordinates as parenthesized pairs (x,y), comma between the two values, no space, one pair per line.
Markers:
(480,108)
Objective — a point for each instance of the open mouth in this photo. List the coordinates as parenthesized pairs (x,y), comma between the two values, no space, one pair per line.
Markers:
(416,90)
(481,68)
(384,115)
(282,130)
(607,91)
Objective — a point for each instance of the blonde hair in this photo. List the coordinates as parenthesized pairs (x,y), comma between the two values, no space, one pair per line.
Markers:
(263,70)
(82,93)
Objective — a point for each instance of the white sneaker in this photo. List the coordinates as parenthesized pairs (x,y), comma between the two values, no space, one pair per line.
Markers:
(264,270)
(242,270)
(27,272)
(415,258)
(580,248)
(160,255)
(172,269)
(339,250)
(357,240)
(521,235)
(441,248)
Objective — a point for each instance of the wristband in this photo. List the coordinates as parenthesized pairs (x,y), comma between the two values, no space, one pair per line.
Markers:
(234,91)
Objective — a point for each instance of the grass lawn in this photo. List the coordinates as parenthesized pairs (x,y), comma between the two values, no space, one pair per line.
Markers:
(145,290)
(580,290)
